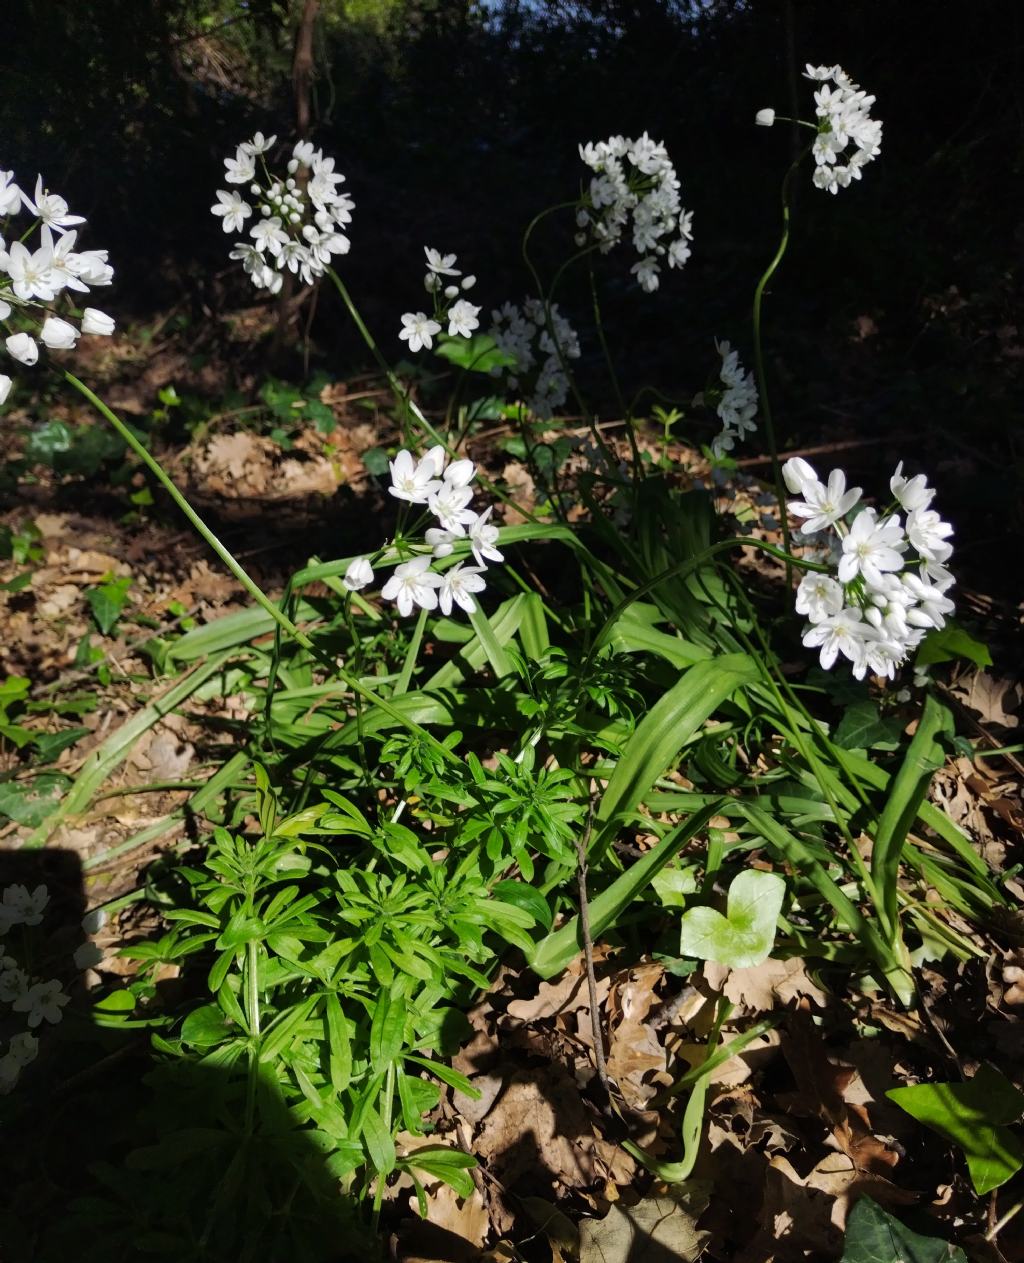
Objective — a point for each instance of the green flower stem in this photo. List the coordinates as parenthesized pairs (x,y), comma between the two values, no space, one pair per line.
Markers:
(624,410)
(759,370)
(254,590)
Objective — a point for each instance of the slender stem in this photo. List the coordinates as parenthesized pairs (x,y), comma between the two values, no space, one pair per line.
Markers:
(582,845)
(624,409)
(254,590)
(762,381)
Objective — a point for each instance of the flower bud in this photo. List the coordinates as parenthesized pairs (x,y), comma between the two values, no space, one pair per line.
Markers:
(358,575)
(95,321)
(765,118)
(5,388)
(58,335)
(23,348)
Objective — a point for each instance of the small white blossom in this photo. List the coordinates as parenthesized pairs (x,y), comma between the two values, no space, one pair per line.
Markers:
(482,539)
(440,541)
(463,318)
(43,1001)
(819,597)
(929,534)
(13,981)
(51,209)
(413,583)
(457,585)
(737,402)
(843,633)
(449,505)
(418,330)
(415,481)
(21,907)
(910,493)
(872,547)
(798,474)
(441,264)
(241,168)
(823,506)
(764,118)
(5,388)
(233,209)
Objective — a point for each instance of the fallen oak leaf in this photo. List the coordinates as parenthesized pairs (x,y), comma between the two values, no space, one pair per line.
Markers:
(658,1228)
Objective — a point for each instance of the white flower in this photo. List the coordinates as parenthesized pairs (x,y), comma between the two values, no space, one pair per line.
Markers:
(411,480)
(764,118)
(269,235)
(441,264)
(50,208)
(259,144)
(824,506)
(871,547)
(931,605)
(646,273)
(42,1001)
(458,584)
(819,597)
(460,472)
(449,505)
(10,195)
(58,335)
(5,388)
(13,981)
(31,272)
(482,539)
(358,575)
(93,268)
(413,583)
(418,330)
(241,168)
(929,533)
(843,633)
(463,318)
(22,348)
(94,921)
(23,1048)
(910,493)
(468,282)
(737,405)
(20,907)
(98,322)
(234,210)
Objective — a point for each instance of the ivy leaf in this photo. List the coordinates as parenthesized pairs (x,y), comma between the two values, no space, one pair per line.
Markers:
(863,728)
(745,935)
(30,802)
(951,642)
(973,1115)
(107,601)
(873,1236)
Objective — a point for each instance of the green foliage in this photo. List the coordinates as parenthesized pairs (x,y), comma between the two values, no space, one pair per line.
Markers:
(107,601)
(746,934)
(875,1236)
(975,1116)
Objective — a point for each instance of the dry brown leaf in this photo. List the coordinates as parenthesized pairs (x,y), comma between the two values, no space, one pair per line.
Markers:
(993,698)
(663,1228)
(565,996)
(766,986)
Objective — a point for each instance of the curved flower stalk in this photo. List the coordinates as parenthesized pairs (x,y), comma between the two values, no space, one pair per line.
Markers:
(37,279)
(635,188)
(298,216)
(443,488)
(735,401)
(888,582)
(443,284)
(524,332)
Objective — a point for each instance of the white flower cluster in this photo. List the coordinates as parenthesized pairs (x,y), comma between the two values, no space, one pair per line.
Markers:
(298,227)
(890,577)
(419,329)
(844,121)
(444,489)
(32,279)
(634,180)
(736,403)
(523,333)
(40,1001)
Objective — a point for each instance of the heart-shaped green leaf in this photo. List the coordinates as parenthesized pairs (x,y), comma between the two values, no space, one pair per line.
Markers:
(745,935)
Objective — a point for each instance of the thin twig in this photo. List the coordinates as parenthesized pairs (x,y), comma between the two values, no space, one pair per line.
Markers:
(582,846)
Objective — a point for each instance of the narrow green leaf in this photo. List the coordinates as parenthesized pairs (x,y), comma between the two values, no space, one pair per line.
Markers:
(667,727)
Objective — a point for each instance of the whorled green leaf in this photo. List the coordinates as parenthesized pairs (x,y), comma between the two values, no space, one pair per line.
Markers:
(745,935)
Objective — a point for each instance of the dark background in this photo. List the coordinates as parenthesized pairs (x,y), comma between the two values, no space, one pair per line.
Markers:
(895,317)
